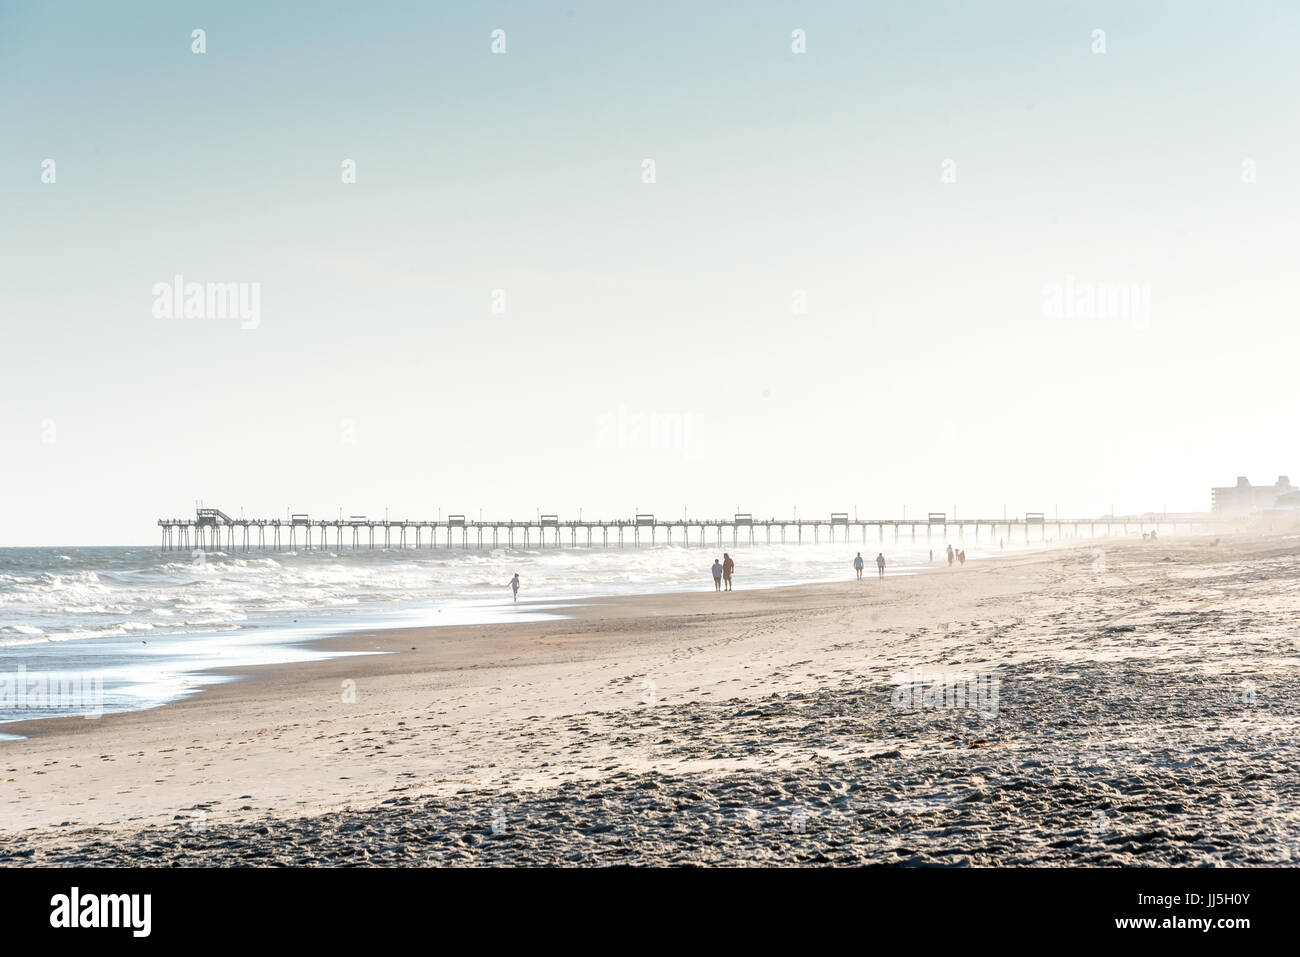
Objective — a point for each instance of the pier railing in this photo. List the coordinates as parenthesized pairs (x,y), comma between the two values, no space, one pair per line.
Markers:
(212,529)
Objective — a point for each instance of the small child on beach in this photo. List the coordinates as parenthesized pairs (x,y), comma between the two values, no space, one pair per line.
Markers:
(514,586)
(717,575)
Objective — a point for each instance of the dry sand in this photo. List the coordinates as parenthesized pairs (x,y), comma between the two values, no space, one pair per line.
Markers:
(1146,714)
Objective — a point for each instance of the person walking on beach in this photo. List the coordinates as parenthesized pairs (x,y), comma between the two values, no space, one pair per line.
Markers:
(514,586)
(951,556)
(717,575)
(961,556)
(857,565)
(728,566)
(880,564)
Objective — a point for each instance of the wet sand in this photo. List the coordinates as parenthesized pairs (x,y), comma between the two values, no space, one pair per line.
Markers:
(1146,712)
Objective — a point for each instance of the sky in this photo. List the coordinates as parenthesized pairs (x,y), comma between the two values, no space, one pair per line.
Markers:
(949,256)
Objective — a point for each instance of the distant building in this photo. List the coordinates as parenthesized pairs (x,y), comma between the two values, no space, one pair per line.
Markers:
(1291,500)
(1237,501)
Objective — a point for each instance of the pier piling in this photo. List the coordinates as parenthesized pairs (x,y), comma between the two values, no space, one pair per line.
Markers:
(213,530)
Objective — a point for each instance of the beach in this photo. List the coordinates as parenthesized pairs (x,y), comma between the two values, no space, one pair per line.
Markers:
(1133,706)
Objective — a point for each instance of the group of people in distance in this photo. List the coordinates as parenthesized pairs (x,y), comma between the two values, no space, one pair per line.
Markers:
(724,568)
(858,565)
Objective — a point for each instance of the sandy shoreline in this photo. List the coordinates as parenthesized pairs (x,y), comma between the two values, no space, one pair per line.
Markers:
(1124,732)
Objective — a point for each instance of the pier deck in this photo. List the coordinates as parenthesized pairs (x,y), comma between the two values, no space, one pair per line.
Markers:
(211,530)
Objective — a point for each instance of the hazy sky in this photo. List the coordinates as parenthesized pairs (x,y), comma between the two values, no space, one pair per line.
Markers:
(927,370)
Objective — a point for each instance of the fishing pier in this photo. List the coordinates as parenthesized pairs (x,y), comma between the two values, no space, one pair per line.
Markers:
(213,530)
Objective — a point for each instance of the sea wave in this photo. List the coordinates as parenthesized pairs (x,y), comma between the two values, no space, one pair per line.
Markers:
(66,594)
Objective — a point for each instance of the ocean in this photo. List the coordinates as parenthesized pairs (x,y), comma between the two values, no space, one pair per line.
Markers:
(103,629)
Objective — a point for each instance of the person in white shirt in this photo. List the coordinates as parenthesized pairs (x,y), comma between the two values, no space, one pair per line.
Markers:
(857,565)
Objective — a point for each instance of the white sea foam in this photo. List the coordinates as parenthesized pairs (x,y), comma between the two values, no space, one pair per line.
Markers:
(58,595)
(154,626)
